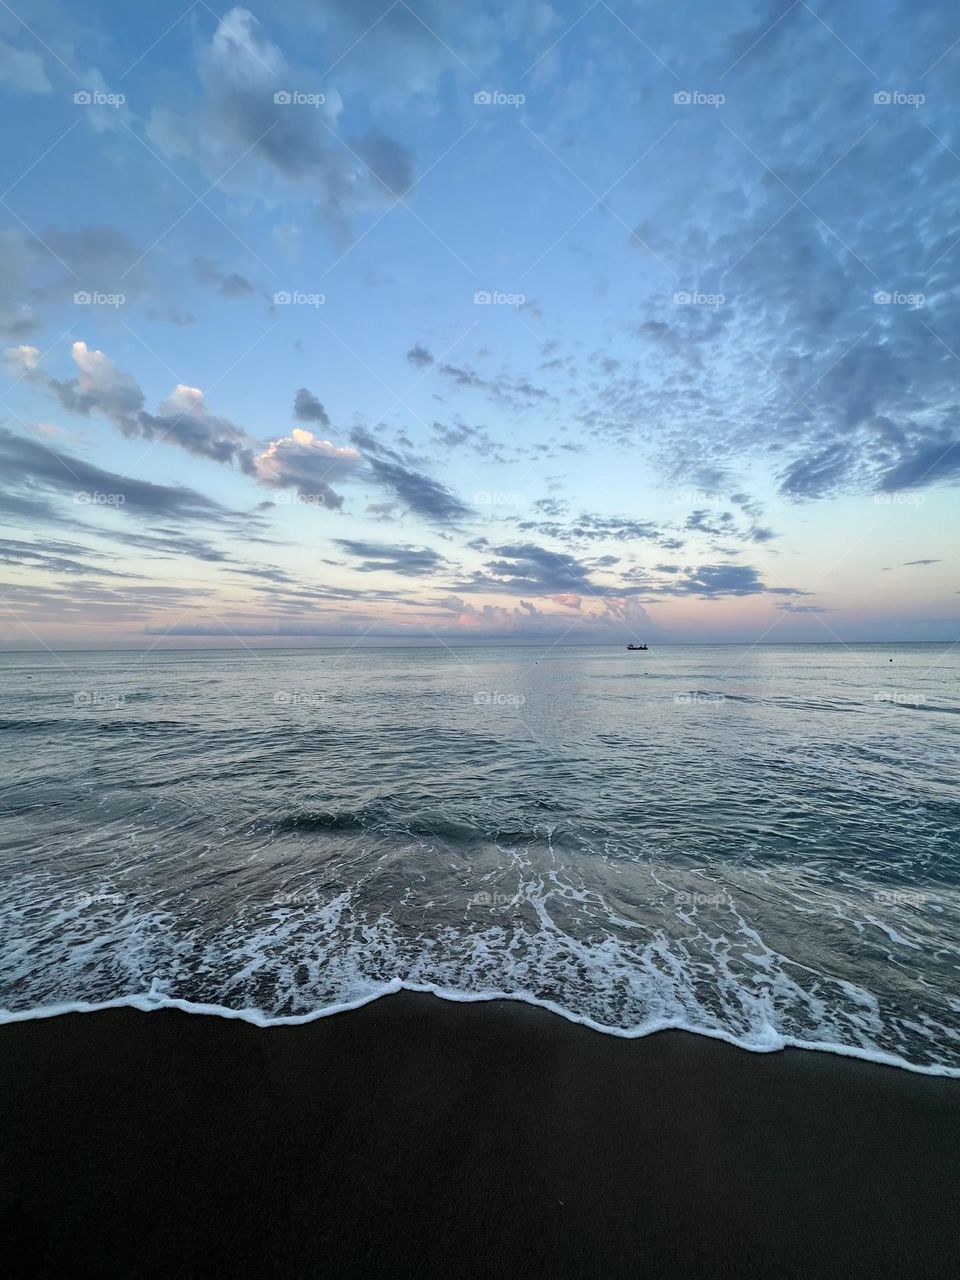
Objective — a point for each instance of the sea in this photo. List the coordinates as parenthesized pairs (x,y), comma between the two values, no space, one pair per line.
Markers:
(757,843)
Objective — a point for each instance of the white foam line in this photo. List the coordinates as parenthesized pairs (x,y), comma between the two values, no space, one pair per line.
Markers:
(772,1042)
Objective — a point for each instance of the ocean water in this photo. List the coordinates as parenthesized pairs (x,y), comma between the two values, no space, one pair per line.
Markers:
(758,843)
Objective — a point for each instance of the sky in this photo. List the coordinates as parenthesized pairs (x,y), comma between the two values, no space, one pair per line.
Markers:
(359,321)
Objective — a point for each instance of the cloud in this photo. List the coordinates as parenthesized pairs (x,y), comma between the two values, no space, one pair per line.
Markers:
(809,369)
(377,557)
(98,388)
(516,393)
(928,464)
(50,557)
(102,258)
(528,569)
(627,611)
(401,474)
(389,162)
(267,573)
(18,317)
(183,419)
(775,25)
(81,600)
(819,474)
(239,125)
(40,274)
(461,435)
(411,51)
(301,461)
(480,622)
(19,508)
(307,408)
(421,493)
(26,464)
(592,527)
(311,466)
(723,580)
(171,543)
(383,511)
(702,521)
(419,356)
(22,70)
(552,506)
(227,284)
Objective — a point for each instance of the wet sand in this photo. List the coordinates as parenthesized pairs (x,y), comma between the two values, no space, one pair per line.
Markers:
(415,1137)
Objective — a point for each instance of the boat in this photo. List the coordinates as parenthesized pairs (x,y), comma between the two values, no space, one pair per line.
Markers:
(637,648)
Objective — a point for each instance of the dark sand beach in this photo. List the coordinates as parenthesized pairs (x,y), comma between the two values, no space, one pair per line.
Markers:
(415,1137)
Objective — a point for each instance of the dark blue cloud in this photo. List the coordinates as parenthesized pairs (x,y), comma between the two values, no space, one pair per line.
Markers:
(377,557)
(27,465)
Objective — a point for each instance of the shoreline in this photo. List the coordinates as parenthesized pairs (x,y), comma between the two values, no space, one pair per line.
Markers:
(149,1003)
(428,1137)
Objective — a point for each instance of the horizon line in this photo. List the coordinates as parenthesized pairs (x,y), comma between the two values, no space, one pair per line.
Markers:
(484,644)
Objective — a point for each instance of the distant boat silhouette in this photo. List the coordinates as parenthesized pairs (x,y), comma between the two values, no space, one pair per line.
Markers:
(636,648)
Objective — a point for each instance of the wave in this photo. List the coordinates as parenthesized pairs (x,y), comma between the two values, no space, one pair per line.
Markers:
(145,727)
(32,726)
(626,963)
(782,871)
(769,1041)
(324,820)
(384,819)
